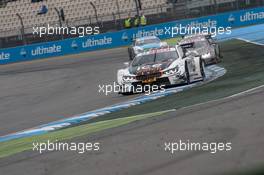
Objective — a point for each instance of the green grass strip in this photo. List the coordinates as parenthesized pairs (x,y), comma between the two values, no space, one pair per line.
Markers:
(172,41)
(16,146)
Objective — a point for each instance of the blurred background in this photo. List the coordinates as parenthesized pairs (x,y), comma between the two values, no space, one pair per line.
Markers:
(18,17)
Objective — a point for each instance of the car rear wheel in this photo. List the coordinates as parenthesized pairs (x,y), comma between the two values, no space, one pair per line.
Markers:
(130,54)
(126,93)
(187,74)
(217,54)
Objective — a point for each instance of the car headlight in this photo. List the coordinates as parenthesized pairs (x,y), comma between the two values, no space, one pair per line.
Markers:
(207,55)
(129,78)
(172,71)
(138,50)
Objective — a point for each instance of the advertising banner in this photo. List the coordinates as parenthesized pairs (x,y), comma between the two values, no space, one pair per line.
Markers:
(125,37)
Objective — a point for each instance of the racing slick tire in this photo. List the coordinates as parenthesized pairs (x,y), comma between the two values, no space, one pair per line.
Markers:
(130,54)
(126,93)
(202,68)
(187,74)
(217,54)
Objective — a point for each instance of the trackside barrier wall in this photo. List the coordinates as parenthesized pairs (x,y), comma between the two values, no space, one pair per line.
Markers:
(125,37)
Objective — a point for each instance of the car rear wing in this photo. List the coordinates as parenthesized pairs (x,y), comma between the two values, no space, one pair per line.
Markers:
(207,36)
(154,49)
(187,45)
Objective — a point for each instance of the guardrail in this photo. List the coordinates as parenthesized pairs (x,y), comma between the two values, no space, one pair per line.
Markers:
(124,37)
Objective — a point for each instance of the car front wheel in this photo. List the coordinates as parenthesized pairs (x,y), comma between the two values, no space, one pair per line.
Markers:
(202,68)
(187,74)
(217,54)
(130,54)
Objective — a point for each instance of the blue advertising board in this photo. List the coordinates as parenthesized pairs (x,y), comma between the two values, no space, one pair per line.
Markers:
(124,37)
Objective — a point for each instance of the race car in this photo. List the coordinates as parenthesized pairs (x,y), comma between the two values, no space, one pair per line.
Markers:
(203,45)
(162,67)
(140,44)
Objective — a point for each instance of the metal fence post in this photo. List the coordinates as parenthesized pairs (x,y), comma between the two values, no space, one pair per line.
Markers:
(60,22)
(22,28)
(119,16)
(95,12)
(137,7)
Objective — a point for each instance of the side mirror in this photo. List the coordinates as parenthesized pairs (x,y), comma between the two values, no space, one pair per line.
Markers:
(164,44)
(214,44)
(212,41)
(126,64)
(191,54)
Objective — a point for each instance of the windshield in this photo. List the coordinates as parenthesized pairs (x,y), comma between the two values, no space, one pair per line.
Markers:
(196,45)
(147,41)
(200,44)
(155,57)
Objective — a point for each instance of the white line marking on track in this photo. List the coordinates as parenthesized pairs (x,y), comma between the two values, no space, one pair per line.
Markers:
(252,42)
(211,76)
(228,97)
(247,91)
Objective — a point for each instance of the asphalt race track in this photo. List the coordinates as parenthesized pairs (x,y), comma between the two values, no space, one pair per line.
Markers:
(42,91)
(138,148)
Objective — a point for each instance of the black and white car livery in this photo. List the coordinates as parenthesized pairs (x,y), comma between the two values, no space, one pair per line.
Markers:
(203,45)
(164,66)
(143,43)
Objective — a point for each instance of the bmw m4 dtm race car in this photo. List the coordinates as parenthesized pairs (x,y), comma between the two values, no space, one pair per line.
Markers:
(143,43)
(203,45)
(162,67)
